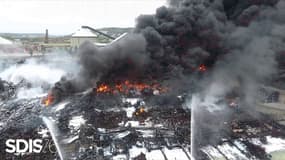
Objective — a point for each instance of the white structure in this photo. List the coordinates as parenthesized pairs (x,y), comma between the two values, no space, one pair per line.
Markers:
(119,38)
(7,46)
(4,41)
(82,35)
(85,34)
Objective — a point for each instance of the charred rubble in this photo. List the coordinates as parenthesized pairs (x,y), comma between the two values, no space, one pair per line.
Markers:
(108,131)
(7,90)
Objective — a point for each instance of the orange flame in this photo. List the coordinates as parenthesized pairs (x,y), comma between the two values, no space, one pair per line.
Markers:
(202,68)
(48,100)
(126,86)
(140,111)
(103,88)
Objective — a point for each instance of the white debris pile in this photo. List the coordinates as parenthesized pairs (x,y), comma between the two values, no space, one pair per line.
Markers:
(122,135)
(43,133)
(273,144)
(173,154)
(231,152)
(154,155)
(130,111)
(61,106)
(76,122)
(135,151)
(212,152)
(146,133)
(132,101)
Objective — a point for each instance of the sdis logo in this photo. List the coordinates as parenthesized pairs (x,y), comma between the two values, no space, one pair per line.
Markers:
(24,146)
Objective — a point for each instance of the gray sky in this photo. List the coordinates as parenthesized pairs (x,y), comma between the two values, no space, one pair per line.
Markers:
(66,16)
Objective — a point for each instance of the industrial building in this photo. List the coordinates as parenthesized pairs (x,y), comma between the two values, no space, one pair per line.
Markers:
(86,33)
(82,35)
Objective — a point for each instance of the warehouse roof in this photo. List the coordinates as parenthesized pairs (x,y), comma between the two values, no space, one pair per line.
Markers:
(84,32)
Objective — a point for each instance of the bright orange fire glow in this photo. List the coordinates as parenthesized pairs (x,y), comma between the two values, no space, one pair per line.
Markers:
(48,100)
(103,88)
(202,68)
(126,86)
(140,111)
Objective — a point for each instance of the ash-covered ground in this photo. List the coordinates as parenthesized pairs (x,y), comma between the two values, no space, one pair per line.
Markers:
(92,125)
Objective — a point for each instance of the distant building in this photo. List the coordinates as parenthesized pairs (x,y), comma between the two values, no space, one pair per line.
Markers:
(82,35)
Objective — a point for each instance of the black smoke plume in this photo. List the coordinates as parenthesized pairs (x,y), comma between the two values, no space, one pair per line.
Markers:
(126,56)
(252,39)
(172,43)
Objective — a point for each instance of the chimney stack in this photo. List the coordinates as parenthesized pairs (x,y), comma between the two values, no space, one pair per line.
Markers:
(46,37)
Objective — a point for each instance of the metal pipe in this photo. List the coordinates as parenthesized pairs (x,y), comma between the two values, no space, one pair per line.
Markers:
(97,31)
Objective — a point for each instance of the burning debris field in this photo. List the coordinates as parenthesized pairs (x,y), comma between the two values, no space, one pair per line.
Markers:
(197,80)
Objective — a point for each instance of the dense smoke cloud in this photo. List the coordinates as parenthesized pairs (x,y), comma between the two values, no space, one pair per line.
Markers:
(185,36)
(252,49)
(175,37)
(253,38)
(222,34)
(128,53)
